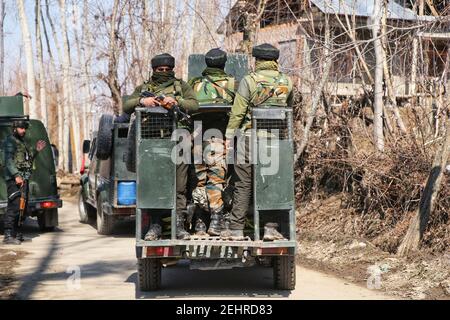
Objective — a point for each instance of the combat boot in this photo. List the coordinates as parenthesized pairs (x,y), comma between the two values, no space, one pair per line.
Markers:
(153,233)
(9,239)
(271,233)
(200,228)
(217,223)
(232,234)
(182,234)
(22,238)
(215,226)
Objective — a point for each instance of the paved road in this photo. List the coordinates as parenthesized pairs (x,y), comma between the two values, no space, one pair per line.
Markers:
(107,267)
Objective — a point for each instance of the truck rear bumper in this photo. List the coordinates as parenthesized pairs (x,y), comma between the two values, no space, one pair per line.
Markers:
(39,204)
(213,248)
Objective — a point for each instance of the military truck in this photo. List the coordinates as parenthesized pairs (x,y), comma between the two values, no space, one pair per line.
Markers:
(273,196)
(105,176)
(44,199)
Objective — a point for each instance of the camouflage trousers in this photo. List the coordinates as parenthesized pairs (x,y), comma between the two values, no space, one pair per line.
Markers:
(211,175)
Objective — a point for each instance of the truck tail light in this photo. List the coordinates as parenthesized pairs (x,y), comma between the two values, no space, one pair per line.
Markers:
(272,251)
(48,205)
(160,251)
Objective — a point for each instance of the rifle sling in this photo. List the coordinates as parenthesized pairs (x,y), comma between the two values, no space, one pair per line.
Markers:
(228,91)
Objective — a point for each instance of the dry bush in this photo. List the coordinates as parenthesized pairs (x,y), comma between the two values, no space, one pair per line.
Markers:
(378,192)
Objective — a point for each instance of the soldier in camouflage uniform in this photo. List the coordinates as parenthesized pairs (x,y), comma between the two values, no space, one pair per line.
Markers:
(213,87)
(267,86)
(18,167)
(176,92)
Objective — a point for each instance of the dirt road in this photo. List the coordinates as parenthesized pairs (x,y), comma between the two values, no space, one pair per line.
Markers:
(107,269)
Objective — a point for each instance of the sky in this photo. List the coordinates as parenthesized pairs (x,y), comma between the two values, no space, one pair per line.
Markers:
(13,36)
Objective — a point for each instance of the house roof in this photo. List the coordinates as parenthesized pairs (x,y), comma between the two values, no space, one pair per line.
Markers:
(364,8)
(359,8)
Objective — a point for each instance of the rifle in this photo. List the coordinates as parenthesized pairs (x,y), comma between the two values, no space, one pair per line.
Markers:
(23,202)
(182,116)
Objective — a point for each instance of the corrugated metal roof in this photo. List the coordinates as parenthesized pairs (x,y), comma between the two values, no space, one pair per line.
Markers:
(364,8)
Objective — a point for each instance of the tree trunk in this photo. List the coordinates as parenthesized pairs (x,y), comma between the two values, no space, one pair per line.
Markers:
(113,83)
(28,47)
(2,47)
(387,73)
(378,91)
(87,44)
(251,26)
(40,58)
(68,94)
(63,132)
(411,241)
(318,92)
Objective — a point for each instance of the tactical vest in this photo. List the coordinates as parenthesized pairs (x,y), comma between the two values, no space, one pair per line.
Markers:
(214,92)
(269,90)
(22,157)
(266,91)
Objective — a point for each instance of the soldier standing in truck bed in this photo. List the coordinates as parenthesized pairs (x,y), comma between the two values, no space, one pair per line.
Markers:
(214,87)
(267,86)
(176,92)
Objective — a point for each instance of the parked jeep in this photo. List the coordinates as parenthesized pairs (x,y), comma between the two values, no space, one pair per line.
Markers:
(107,187)
(44,199)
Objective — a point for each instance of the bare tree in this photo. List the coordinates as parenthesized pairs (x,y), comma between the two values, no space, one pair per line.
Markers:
(62,106)
(112,80)
(252,16)
(28,47)
(69,112)
(411,241)
(40,58)
(378,91)
(2,47)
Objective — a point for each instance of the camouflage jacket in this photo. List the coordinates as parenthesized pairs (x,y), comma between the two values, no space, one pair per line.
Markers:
(213,87)
(258,89)
(18,159)
(177,89)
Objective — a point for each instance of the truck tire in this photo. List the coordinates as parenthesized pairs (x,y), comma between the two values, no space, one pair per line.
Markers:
(105,222)
(284,272)
(131,148)
(149,274)
(43,221)
(105,137)
(85,210)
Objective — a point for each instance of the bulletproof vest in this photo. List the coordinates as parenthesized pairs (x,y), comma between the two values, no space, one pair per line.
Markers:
(270,90)
(22,157)
(215,91)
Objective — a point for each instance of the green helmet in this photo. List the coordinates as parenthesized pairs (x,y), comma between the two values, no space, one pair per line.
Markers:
(20,124)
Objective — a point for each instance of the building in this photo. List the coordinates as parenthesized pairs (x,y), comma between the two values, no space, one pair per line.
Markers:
(298,29)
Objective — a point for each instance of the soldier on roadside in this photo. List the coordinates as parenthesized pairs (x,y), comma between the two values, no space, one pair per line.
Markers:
(18,167)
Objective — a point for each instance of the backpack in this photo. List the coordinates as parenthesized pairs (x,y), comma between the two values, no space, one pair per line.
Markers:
(269,90)
(215,90)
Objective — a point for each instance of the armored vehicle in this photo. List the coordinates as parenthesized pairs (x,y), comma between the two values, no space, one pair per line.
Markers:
(107,188)
(273,195)
(44,199)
